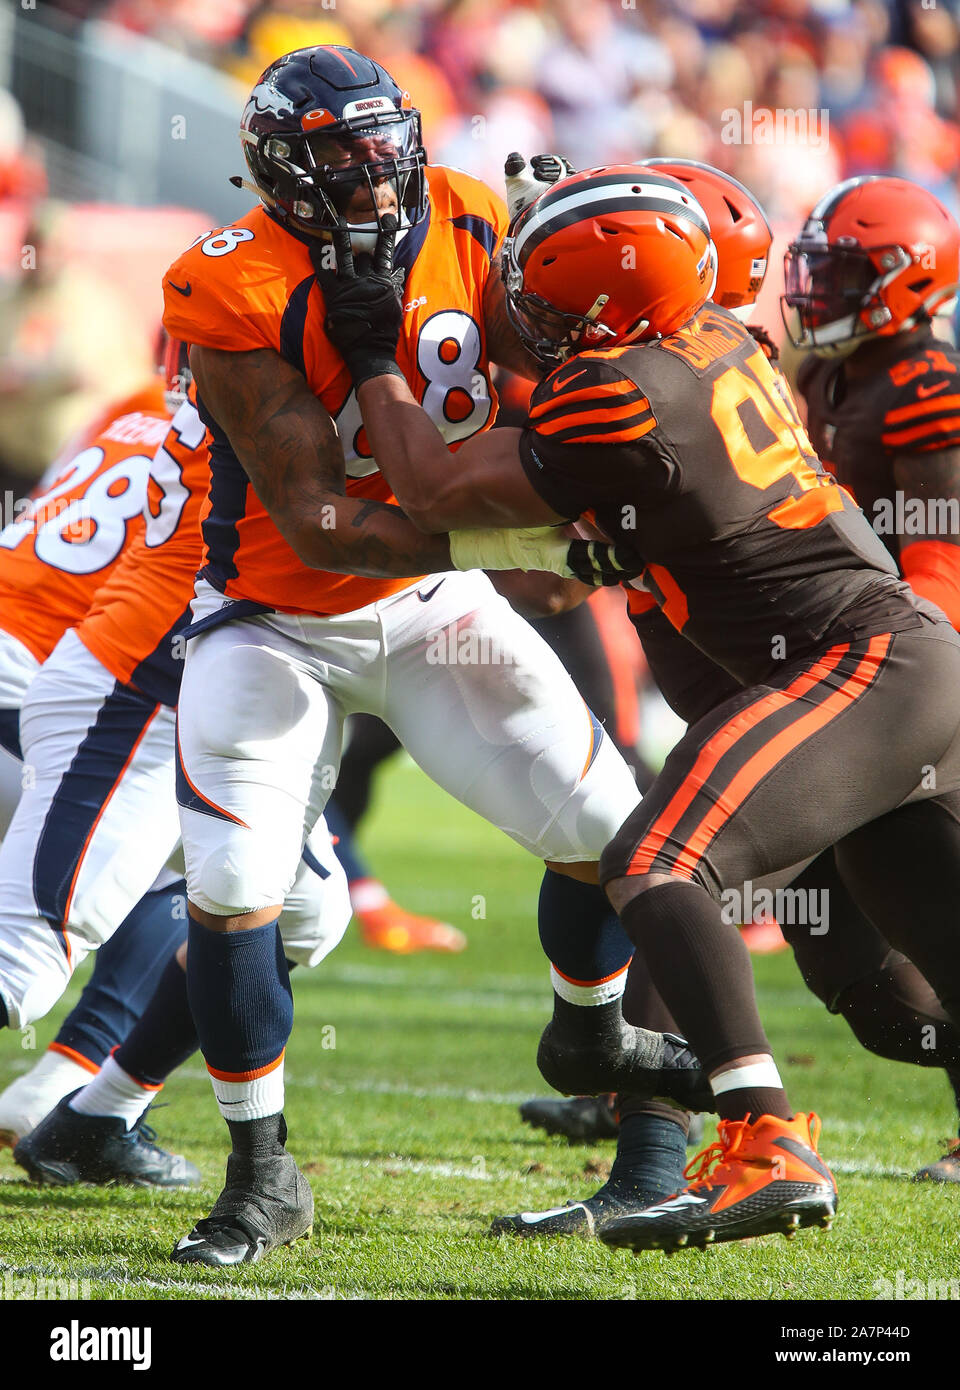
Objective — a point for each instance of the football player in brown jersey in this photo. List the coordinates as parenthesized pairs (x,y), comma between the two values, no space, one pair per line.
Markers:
(889,1006)
(877,261)
(876,264)
(663,419)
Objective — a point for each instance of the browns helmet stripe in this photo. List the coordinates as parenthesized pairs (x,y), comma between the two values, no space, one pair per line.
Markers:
(602,178)
(830,201)
(579,204)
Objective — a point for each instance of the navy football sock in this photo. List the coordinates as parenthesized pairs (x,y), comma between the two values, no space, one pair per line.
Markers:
(165,1034)
(579,931)
(4,1017)
(126,970)
(238,985)
(651,1153)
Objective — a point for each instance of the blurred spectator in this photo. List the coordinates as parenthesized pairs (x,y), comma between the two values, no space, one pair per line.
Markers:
(68,343)
(594,77)
(21,172)
(899,131)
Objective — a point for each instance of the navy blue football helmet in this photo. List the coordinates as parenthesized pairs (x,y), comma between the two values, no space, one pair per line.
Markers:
(322,122)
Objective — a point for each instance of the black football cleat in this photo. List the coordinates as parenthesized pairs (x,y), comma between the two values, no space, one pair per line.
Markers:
(68,1148)
(587,1219)
(581,1119)
(622,1058)
(266,1202)
(945,1169)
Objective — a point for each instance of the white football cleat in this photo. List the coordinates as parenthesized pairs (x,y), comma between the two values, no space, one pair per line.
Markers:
(30,1098)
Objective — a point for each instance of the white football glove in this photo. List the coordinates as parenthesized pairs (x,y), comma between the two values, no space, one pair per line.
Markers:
(524,186)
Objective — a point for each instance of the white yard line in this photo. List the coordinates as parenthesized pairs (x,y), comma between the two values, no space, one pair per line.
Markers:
(372,1086)
(214,1287)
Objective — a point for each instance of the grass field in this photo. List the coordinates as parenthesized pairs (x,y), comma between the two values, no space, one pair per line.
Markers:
(408,1127)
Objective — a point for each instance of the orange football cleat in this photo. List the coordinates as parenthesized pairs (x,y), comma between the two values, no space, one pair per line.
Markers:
(391,928)
(757,1179)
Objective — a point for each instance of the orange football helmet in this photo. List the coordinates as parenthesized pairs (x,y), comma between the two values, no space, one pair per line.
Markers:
(738,225)
(613,255)
(877,256)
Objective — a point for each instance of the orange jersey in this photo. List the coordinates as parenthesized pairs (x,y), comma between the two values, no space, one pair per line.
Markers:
(252,286)
(134,623)
(70,538)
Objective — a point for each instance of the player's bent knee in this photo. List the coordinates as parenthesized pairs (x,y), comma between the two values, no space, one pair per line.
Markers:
(223,884)
(234,921)
(602,800)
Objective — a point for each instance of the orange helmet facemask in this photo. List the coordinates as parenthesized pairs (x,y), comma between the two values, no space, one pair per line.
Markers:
(738,225)
(609,256)
(877,256)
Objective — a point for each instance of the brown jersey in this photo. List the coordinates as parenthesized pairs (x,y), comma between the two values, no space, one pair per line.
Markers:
(689,450)
(897,396)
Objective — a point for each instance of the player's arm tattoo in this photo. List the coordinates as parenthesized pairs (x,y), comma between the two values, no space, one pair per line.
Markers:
(483,484)
(288,447)
(934,479)
(503,345)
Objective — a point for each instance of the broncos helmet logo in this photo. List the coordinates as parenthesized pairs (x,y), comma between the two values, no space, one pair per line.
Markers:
(266,98)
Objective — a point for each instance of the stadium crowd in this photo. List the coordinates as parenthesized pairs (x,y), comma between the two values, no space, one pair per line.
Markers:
(875,82)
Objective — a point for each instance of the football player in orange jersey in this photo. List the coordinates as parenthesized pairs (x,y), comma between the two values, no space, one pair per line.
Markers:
(318,598)
(98,819)
(53,558)
(851,968)
(665,421)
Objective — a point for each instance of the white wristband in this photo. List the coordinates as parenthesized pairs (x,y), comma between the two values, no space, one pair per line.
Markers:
(528,548)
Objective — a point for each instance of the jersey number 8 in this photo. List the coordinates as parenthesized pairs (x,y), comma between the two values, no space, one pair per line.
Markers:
(457,395)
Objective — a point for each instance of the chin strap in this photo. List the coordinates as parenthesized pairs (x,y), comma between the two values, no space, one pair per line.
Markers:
(238,182)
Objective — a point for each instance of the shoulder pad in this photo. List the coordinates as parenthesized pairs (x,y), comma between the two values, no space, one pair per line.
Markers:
(459,196)
(589,400)
(922,406)
(230,288)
